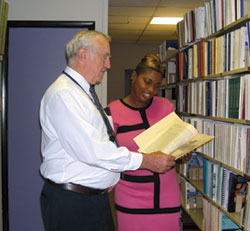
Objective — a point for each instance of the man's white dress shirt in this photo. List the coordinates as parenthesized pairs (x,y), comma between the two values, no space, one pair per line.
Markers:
(75,144)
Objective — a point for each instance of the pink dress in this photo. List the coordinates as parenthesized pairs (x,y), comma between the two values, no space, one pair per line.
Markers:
(144,201)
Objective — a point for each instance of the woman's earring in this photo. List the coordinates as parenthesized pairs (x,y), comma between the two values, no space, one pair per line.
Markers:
(131,82)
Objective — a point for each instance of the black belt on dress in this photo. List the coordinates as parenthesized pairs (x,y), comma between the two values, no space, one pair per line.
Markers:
(139,179)
(78,188)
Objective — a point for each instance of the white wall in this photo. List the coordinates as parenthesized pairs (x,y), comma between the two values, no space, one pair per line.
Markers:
(64,10)
(124,56)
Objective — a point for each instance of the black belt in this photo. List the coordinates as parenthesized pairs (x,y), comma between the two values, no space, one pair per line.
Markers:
(78,188)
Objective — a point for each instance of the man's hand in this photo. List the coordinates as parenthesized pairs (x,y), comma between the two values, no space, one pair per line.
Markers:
(184,159)
(157,162)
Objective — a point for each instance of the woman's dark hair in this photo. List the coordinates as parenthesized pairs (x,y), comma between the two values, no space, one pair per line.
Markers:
(149,62)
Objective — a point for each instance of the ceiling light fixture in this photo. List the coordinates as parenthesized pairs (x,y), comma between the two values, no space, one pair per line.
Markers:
(165,20)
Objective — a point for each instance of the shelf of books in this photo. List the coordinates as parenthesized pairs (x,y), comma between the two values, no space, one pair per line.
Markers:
(212,79)
(207,186)
(168,87)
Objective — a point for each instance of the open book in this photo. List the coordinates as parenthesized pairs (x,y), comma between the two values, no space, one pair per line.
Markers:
(171,135)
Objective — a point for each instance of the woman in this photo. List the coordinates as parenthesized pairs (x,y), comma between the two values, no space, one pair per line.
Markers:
(145,201)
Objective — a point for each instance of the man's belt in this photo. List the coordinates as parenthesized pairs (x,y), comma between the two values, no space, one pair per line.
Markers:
(78,188)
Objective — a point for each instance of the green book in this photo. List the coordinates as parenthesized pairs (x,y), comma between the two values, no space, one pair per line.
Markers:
(234,95)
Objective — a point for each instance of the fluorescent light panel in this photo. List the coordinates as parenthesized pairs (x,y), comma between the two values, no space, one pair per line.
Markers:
(165,20)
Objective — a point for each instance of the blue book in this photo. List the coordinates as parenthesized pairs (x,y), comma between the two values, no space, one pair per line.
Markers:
(210,58)
(248,33)
(208,98)
(211,180)
(241,8)
(215,25)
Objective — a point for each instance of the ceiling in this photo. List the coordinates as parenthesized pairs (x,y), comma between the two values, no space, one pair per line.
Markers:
(128,20)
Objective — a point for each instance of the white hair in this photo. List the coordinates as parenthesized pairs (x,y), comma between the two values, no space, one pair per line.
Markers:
(84,39)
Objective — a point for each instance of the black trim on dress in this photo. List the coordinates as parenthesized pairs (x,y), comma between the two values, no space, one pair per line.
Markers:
(144,118)
(148,211)
(129,128)
(136,108)
(138,179)
(157,191)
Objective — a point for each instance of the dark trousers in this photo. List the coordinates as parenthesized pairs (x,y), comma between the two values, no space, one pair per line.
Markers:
(63,210)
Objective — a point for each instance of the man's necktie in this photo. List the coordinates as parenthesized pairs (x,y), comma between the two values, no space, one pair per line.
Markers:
(98,105)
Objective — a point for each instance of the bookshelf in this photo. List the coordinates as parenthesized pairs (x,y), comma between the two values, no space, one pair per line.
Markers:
(168,86)
(198,184)
(198,69)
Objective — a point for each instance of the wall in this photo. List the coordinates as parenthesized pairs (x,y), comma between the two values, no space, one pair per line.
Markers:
(61,10)
(124,56)
(64,10)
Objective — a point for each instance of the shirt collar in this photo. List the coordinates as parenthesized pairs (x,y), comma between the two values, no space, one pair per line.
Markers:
(78,78)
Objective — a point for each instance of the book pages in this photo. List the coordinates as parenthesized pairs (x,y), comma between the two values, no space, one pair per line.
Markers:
(172,136)
(193,143)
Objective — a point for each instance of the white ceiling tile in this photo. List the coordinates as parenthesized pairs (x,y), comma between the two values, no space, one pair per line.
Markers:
(131,11)
(127,27)
(133,2)
(128,20)
(123,32)
(118,19)
(182,3)
(136,20)
(158,33)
